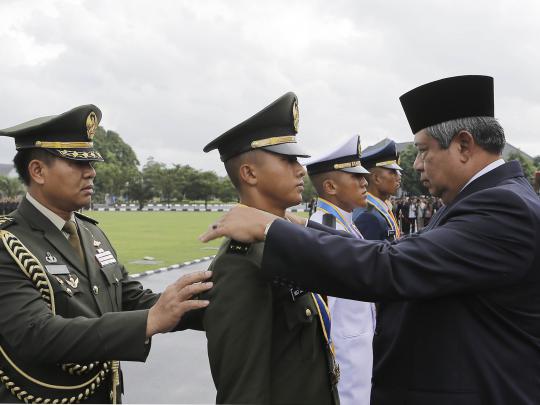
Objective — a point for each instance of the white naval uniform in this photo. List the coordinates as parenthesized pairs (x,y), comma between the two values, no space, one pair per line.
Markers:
(353,325)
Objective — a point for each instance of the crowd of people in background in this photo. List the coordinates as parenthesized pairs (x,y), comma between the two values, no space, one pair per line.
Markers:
(414,213)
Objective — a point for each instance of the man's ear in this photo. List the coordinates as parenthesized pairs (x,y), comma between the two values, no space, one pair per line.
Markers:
(37,171)
(465,144)
(374,177)
(248,174)
(329,187)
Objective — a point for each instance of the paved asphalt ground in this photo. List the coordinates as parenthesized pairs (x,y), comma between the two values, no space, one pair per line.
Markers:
(177,370)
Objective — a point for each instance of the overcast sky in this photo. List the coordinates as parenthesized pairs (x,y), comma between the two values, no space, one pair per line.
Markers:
(170,76)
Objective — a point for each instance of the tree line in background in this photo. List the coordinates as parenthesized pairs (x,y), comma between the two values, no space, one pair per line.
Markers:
(120,180)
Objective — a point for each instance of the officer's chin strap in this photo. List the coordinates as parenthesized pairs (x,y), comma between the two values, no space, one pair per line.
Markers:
(115,379)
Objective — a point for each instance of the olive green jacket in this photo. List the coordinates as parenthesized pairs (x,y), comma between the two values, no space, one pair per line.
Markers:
(263,347)
(101,317)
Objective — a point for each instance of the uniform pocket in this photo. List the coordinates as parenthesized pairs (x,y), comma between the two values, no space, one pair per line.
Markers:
(301,312)
(113,275)
(65,299)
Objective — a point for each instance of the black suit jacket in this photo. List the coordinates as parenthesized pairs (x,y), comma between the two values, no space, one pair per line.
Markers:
(466,327)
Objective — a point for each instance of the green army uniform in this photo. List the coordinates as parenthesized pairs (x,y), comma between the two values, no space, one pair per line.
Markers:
(65,320)
(86,326)
(266,342)
(264,347)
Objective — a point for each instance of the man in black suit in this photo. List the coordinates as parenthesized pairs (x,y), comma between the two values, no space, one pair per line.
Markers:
(468,327)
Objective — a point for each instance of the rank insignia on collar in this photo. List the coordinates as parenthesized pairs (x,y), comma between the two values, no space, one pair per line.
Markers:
(238,247)
(73,281)
(49,258)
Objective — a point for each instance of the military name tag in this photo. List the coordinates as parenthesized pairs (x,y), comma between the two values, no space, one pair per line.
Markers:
(295,293)
(56,269)
(104,257)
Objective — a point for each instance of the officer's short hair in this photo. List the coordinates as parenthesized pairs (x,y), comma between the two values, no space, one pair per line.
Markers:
(232,166)
(318,180)
(25,156)
(486,131)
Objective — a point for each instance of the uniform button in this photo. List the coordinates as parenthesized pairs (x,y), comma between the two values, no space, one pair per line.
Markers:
(95,290)
(308,312)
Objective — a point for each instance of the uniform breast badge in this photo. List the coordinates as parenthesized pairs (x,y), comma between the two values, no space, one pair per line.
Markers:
(104,257)
(72,281)
(49,258)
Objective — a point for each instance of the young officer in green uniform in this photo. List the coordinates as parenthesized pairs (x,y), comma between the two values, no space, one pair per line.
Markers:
(267,343)
(69,310)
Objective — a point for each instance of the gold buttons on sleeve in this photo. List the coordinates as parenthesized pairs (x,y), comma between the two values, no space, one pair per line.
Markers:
(95,290)
(308,312)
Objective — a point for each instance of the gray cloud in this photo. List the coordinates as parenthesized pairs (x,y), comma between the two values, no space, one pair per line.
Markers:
(172,75)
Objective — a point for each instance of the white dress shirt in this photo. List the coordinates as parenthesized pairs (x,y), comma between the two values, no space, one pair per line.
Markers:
(353,325)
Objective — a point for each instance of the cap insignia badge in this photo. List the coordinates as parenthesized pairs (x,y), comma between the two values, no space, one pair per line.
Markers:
(50,258)
(91,125)
(296,115)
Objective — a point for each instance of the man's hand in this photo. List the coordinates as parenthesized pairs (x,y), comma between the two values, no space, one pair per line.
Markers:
(175,302)
(241,223)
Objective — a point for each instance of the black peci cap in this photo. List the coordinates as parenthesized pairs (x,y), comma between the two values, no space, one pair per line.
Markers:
(273,129)
(448,99)
(68,135)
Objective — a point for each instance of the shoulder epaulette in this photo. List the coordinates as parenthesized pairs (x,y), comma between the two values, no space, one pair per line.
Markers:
(86,218)
(6,221)
(238,248)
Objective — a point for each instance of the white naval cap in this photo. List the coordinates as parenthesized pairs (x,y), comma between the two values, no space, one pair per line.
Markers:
(345,158)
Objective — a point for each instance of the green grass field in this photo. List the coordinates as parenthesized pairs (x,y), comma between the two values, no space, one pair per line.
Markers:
(169,237)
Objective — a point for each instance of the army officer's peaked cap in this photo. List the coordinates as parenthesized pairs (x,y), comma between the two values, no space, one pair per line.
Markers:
(345,158)
(272,129)
(448,99)
(68,135)
(383,156)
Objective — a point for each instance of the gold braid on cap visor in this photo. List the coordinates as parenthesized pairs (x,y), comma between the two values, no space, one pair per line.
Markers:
(277,140)
(338,166)
(388,162)
(74,154)
(64,145)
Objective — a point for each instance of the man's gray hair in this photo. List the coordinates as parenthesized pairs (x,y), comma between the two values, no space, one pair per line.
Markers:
(486,131)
